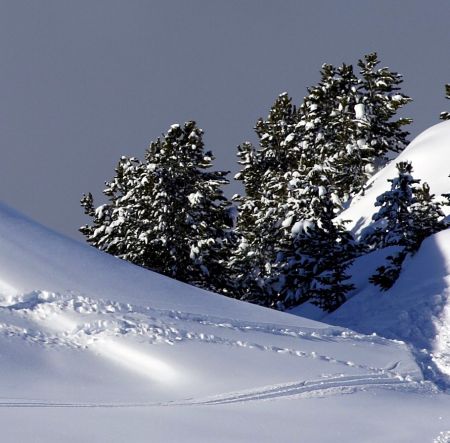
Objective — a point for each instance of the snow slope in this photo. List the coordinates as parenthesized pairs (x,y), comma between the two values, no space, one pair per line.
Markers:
(95,349)
(417,308)
(429,153)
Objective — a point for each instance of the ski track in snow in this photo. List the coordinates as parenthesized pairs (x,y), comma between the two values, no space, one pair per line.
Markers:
(325,386)
(320,387)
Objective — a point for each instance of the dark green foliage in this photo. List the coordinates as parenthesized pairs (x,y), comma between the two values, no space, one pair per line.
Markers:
(446,115)
(349,123)
(260,210)
(394,220)
(168,213)
(317,252)
(379,88)
(408,214)
(387,275)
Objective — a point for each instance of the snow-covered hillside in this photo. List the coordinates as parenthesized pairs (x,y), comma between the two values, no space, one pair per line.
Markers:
(417,308)
(429,154)
(95,349)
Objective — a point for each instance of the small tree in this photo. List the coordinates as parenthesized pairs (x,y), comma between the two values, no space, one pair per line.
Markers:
(167,214)
(408,214)
(393,223)
(387,275)
(446,115)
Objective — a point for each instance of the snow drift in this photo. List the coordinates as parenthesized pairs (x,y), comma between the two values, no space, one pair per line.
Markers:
(428,153)
(417,308)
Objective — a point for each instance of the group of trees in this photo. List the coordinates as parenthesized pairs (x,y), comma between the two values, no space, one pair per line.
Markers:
(280,243)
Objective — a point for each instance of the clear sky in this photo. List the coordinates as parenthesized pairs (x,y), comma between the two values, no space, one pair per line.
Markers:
(84,82)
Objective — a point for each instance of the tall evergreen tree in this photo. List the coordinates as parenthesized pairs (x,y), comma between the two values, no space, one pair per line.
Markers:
(258,226)
(349,124)
(317,248)
(326,116)
(446,115)
(380,100)
(168,213)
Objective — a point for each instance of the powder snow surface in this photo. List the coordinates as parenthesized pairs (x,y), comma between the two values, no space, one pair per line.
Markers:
(95,349)
(429,154)
(417,308)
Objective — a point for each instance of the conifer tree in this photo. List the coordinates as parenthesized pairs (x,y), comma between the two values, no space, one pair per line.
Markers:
(326,116)
(113,223)
(380,100)
(317,248)
(258,225)
(393,223)
(446,115)
(386,275)
(349,124)
(168,213)
(427,214)
(408,214)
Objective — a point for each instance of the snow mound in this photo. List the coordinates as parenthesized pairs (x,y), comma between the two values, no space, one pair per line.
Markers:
(417,308)
(428,153)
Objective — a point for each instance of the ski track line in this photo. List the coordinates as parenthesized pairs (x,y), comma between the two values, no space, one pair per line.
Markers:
(323,387)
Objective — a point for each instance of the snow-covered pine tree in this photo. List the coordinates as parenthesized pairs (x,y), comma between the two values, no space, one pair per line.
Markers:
(349,123)
(394,220)
(317,249)
(446,115)
(328,123)
(380,100)
(408,214)
(428,215)
(113,223)
(260,210)
(168,214)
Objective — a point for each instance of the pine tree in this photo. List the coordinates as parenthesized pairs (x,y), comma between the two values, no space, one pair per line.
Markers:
(317,248)
(328,125)
(349,125)
(408,214)
(112,224)
(258,225)
(394,220)
(381,99)
(168,213)
(446,115)
(428,217)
